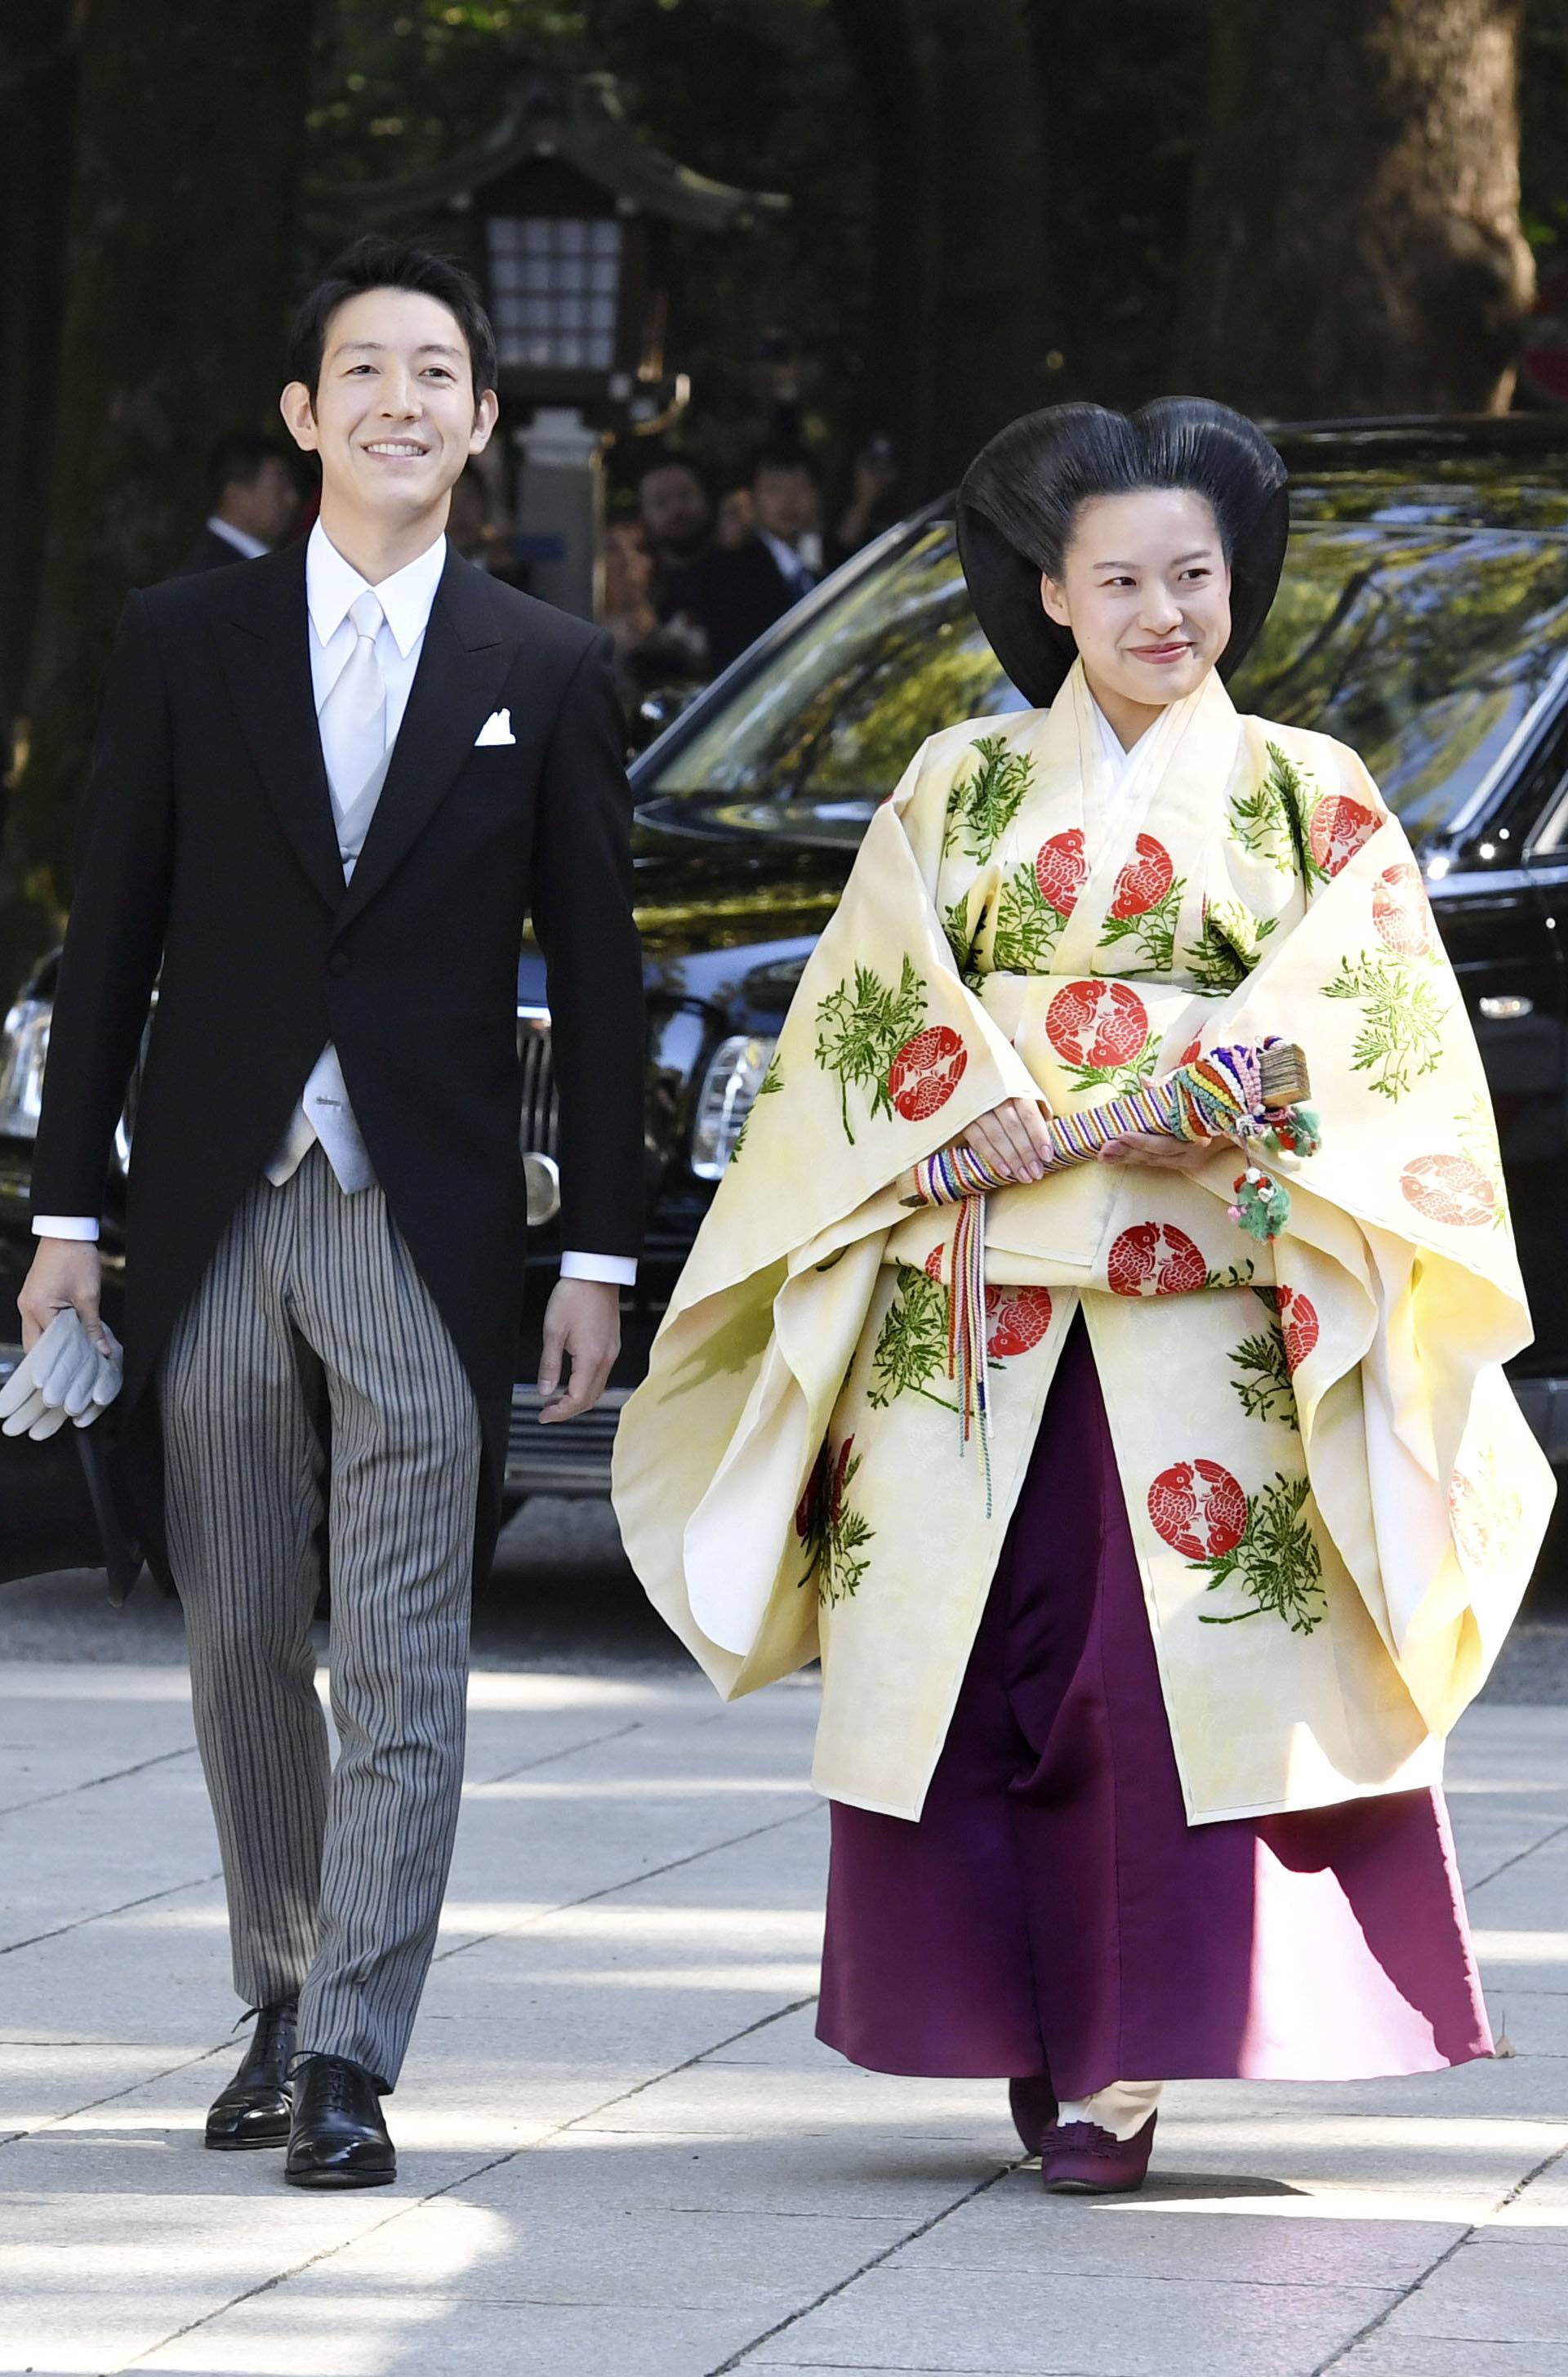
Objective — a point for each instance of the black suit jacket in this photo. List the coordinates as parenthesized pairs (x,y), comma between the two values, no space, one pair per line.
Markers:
(209,551)
(733,595)
(207,850)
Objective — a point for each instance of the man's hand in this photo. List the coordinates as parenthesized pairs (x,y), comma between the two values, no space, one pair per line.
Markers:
(66,1275)
(1013,1139)
(1153,1147)
(582,1321)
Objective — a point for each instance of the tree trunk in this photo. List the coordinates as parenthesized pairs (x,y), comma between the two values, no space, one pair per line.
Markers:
(37,96)
(189,132)
(1354,243)
(947,87)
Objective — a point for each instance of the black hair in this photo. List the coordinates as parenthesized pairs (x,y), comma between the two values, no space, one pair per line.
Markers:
(1035,477)
(675,462)
(236,459)
(376,262)
(782,458)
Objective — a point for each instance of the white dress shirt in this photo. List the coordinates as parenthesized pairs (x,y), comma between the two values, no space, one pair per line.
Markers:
(792,565)
(332,584)
(249,547)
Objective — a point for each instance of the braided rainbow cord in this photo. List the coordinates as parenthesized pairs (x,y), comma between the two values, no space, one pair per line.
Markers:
(1216,1095)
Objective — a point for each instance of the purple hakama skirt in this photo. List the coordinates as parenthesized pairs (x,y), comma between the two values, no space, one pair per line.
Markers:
(1053,1911)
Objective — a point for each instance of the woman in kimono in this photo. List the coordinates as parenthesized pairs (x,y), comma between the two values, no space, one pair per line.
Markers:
(1134,1684)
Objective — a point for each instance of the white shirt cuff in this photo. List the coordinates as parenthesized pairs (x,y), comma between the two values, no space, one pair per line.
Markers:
(620,1268)
(64,1225)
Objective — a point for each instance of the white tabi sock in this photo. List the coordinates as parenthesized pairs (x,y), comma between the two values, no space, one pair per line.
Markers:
(1122,2109)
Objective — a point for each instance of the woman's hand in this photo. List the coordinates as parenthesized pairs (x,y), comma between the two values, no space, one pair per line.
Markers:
(1153,1147)
(1012,1138)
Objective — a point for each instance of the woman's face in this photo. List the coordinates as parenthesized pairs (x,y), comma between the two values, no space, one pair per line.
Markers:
(1146,590)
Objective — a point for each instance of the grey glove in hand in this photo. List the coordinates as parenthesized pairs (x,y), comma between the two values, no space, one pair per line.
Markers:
(65,1377)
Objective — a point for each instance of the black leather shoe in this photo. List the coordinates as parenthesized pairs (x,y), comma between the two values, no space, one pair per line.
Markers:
(252,2110)
(337,2137)
(1033,2107)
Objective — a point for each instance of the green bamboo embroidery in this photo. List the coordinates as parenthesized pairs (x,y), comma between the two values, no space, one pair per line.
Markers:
(912,1346)
(1271,820)
(1120,1078)
(1264,1383)
(1401,1034)
(772,1080)
(1027,926)
(984,804)
(833,1535)
(956,925)
(860,1030)
(1227,948)
(1153,930)
(1276,1563)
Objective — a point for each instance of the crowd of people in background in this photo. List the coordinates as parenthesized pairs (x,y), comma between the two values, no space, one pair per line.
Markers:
(691,575)
(692,580)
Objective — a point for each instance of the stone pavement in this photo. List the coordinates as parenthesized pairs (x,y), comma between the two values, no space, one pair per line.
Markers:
(624,2154)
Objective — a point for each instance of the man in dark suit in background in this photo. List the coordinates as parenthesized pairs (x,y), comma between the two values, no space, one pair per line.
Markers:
(328,789)
(734,594)
(252,501)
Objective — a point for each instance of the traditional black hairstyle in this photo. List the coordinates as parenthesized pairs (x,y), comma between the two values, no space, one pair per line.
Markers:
(1020,499)
(374,262)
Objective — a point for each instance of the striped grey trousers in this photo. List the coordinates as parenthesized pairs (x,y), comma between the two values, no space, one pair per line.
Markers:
(334,1873)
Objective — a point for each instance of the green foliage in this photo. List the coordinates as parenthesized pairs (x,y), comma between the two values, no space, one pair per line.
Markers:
(1027,926)
(1153,932)
(955,925)
(1271,820)
(911,1345)
(834,1534)
(1401,1034)
(772,1080)
(1226,950)
(860,1031)
(1130,1076)
(1263,1385)
(1276,1564)
(984,804)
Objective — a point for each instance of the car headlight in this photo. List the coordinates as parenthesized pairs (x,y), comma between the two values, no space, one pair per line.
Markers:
(728,1093)
(23,1050)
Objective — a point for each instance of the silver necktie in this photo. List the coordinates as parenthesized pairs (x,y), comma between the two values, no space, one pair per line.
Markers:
(353,730)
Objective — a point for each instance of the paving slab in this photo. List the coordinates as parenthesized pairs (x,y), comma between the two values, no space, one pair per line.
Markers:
(1514,2293)
(1385,2356)
(895,2317)
(622,2143)
(302,2329)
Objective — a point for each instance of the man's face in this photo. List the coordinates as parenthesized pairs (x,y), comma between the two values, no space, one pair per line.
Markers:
(674,508)
(784,503)
(265,506)
(394,417)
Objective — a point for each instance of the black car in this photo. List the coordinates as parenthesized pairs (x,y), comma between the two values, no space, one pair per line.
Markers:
(1423,618)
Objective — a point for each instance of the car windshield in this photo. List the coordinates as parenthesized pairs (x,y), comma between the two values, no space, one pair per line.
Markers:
(1423,648)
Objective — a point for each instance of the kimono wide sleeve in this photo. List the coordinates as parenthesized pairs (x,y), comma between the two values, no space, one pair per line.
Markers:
(885,1055)
(1422,1466)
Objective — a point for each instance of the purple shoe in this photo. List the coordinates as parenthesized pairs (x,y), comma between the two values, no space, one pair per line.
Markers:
(1077,2159)
(1033,2106)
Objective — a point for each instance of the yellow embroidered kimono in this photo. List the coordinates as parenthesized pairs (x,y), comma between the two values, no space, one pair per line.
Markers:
(1334,1500)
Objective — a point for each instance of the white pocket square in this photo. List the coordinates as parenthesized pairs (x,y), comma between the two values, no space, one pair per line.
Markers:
(497,728)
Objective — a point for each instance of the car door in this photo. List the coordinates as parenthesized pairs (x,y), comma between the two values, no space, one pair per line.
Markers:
(1528,1060)
(1502,904)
